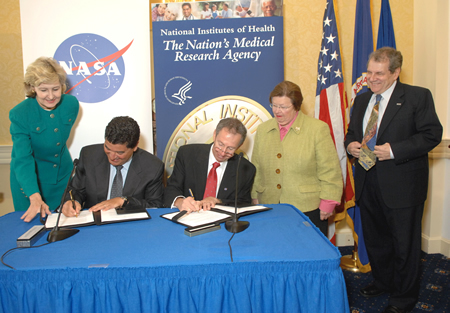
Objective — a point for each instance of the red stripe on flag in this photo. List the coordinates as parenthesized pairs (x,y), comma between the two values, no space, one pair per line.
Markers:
(324,113)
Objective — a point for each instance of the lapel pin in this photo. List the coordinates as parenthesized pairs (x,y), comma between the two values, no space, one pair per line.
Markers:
(398,103)
(297,128)
(225,188)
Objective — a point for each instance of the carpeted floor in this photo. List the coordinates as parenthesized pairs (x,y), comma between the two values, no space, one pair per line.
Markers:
(434,287)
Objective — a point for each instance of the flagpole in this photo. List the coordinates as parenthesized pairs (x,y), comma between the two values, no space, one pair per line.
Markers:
(350,262)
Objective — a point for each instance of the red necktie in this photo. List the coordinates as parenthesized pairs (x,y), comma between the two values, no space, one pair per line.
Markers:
(211,182)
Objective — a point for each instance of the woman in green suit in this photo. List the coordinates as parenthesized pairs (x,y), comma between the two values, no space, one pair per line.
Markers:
(40,126)
(295,159)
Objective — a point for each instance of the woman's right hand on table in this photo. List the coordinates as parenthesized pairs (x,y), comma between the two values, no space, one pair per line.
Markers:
(36,205)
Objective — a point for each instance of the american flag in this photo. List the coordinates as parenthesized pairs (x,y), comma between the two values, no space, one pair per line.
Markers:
(331,102)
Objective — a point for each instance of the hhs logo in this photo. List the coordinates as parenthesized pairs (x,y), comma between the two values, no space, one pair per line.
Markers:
(176,90)
(94,66)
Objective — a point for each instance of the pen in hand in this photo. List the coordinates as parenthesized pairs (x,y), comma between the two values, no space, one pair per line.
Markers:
(73,203)
(192,195)
(183,212)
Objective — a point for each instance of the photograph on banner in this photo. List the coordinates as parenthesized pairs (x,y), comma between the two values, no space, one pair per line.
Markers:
(204,10)
(208,70)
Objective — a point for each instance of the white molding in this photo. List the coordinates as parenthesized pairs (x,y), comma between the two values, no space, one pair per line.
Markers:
(429,245)
(5,154)
(436,245)
(441,151)
(445,247)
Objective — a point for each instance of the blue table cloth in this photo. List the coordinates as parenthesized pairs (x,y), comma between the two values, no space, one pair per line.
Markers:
(281,264)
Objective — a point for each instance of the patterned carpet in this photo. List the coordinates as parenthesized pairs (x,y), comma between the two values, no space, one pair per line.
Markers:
(434,287)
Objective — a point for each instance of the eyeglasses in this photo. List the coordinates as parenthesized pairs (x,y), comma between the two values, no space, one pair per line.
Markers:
(221,147)
(273,106)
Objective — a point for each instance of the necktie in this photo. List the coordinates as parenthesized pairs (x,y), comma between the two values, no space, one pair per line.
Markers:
(117,185)
(211,182)
(367,158)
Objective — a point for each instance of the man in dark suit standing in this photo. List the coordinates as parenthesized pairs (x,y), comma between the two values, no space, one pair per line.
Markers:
(390,136)
(116,173)
(196,163)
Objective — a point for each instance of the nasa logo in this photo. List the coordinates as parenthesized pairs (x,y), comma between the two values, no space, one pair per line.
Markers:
(176,88)
(94,66)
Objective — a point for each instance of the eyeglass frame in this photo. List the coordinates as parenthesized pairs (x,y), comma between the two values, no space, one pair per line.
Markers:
(273,106)
(230,149)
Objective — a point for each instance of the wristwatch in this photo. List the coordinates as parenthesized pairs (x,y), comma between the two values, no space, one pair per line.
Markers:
(125,201)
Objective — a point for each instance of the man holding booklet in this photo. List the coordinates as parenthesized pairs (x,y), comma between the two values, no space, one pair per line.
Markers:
(205,174)
(116,173)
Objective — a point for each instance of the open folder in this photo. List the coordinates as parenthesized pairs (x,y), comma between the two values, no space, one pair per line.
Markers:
(216,215)
(86,218)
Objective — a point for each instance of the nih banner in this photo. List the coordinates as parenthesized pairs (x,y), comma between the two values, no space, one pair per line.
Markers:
(207,70)
(105,55)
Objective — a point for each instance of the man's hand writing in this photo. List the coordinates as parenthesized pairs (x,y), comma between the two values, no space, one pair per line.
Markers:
(68,210)
(187,204)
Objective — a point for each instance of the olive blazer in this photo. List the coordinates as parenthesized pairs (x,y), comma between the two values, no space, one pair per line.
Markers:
(40,160)
(300,170)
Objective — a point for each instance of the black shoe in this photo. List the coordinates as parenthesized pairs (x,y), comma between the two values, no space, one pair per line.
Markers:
(394,309)
(371,291)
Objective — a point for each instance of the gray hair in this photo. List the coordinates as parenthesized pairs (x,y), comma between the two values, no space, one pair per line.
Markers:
(234,126)
(389,54)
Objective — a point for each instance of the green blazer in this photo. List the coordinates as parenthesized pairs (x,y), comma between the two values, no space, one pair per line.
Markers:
(40,160)
(301,169)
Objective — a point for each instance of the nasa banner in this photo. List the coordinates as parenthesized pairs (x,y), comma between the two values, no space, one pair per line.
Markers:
(106,58)
(206,70)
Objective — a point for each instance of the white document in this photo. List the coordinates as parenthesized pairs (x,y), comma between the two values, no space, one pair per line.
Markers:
(112,216)
(241,210)
(85,217)
(198,218)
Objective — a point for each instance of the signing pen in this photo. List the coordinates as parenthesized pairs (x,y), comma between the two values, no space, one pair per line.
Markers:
(73,203)
(192,195)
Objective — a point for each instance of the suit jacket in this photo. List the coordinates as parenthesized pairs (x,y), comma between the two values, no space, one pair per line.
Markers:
(40,160)
(301,169)
(191,171)
(410,125)
(143,184)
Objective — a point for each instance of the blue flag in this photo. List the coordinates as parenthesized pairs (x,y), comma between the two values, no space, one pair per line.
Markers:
(386,36)
(362,48)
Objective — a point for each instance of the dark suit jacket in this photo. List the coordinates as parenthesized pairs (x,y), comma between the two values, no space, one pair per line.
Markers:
(410,125)
(191,171)
(143,184)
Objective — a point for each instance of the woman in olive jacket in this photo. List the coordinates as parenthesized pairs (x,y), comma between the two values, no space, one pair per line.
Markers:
(295,159)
